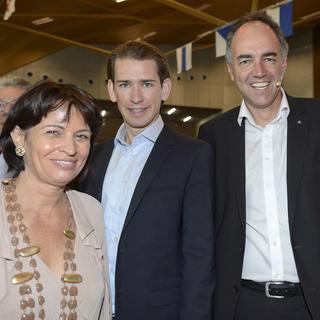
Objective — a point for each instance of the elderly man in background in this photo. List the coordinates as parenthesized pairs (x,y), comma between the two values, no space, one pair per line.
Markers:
(10,91)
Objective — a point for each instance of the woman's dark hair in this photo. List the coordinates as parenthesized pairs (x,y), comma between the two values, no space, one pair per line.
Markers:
(35,104)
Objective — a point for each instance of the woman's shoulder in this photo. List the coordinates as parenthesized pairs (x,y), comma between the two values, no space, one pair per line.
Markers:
(87,211)
(85,202)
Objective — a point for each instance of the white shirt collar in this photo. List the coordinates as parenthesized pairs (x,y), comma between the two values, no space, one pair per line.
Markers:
(283,111)
(151,132)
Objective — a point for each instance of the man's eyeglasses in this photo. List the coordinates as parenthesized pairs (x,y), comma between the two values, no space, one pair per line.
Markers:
(3,104)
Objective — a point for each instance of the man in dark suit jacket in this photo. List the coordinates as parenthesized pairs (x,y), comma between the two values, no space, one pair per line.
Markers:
(267,182)
(156,189)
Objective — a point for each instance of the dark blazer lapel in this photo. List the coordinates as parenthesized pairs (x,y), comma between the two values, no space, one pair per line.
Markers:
(101,157)
(152,166)
(296,150)
(237,152)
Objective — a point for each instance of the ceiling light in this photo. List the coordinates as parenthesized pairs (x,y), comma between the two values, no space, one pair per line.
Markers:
(103,113)
(171,111)
(204,6)
(150,34)
(42,21)
(186,119)
(118,1)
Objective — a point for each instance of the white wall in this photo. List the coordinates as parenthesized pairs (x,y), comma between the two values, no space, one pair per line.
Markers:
(79,66)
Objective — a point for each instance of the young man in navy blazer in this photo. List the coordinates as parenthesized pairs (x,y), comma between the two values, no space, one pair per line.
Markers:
(156,189)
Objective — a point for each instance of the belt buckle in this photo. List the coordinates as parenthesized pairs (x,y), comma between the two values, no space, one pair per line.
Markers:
(267,285)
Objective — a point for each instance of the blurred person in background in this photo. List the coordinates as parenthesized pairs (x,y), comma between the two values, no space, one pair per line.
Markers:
(10,91)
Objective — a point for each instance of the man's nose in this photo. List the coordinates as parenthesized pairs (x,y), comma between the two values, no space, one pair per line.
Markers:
(136,94)
(259,69)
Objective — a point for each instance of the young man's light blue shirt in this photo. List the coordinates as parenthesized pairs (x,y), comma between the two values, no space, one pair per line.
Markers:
(124,169)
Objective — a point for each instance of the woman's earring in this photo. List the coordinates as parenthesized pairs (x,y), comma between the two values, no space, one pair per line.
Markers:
(20,150)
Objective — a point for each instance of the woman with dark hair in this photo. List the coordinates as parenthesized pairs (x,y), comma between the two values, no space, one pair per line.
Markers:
(52,246)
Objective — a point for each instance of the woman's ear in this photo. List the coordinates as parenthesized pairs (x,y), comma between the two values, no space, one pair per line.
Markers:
(17,135)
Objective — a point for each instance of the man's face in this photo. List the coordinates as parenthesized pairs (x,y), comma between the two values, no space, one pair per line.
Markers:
(257,65)
(138,93)
(8,97)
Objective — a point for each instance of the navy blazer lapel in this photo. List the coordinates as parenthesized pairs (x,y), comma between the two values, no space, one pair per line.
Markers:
(296,150)
(237,153)
(152,166)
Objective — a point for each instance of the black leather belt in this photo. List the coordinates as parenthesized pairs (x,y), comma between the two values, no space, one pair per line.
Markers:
(274,289)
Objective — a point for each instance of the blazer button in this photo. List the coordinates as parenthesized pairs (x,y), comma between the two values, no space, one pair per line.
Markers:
(235,289)
(241,249)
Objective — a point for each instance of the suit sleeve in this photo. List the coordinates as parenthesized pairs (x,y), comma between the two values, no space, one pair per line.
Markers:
(198,240)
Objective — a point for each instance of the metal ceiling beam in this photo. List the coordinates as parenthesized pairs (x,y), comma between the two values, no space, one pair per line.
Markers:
(106,16)
(56,38)
(79,16)
(193,12)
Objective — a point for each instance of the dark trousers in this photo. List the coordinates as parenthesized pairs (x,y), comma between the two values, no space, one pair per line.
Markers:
(253,305)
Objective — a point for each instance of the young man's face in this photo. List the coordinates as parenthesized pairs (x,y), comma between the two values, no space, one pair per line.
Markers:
(138,93)
(257,65)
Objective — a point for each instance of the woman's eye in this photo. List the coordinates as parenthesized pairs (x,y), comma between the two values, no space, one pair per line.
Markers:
(83,136)
(52,132)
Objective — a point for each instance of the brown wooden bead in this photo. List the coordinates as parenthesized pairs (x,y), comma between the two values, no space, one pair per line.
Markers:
(73,291)
(9,208)
(19,216)
(72,304)
(63,316)
(14,241)
(33,263)
(25,289)
(64,290)
(10,218)
(36,275)
(65,266)
(39,287)
(18,265)
(72,316)
(41,300)
(16,253)
(26,239)
(42,314)
(23,304)
(12,229)
(63,303)
(22,227)
(73,266)
(31,303)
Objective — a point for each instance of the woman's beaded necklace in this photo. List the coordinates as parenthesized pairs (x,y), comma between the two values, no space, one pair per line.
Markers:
(18,231)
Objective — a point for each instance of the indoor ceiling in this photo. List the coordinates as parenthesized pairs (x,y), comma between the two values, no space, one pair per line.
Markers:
(100,24)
